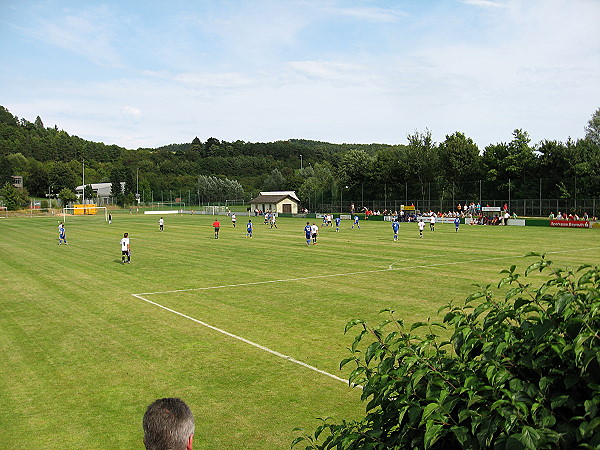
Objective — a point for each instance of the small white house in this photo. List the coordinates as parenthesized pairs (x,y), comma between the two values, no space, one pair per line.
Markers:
(102,191)
(285,202)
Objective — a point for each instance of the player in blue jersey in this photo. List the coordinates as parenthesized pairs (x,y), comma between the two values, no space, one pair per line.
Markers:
(356,222)
(395,227)
(337,223)
(249,229)
(62,236)
(308,232)
(457,223)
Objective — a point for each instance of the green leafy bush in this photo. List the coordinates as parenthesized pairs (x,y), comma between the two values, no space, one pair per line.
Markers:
(520,371)
(14,198)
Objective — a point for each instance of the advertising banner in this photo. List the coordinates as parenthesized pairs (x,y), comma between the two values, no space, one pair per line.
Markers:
(570,223)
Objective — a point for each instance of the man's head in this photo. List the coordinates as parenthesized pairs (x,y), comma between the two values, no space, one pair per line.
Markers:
(168,424)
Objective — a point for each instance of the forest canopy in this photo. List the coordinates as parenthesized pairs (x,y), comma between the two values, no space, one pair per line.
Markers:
(50,159)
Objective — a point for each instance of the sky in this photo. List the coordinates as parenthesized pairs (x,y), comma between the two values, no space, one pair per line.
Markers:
(147,73)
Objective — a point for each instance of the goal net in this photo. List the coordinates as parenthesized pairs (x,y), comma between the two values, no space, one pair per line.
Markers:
(3,212)
(85,211)
(235,202)
(214,210)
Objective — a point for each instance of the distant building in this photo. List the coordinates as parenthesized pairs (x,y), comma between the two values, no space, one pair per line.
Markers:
(276,201)
(102,191)
(17,181)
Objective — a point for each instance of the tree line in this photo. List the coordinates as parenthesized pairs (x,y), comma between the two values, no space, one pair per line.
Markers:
(50,160)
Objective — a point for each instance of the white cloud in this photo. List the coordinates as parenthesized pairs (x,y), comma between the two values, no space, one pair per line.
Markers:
(229,80)
(88,33)
(380,15)
(484,3)
(337,71)
(131,111)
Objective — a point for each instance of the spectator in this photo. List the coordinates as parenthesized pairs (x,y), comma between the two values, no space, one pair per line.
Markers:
(168,425)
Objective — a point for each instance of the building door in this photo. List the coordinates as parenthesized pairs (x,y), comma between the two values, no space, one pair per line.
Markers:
(287,208)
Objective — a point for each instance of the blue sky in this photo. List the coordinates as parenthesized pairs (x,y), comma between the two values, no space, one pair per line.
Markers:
(151,73)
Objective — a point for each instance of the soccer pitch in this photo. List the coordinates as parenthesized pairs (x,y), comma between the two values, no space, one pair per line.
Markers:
(249,332)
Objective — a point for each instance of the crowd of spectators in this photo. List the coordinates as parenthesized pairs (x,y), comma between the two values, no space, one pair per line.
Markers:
(565,216)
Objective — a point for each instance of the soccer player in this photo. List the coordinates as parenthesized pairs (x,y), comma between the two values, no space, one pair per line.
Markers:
(421,227)
(217,226)
(125,249)
(109,218)
(432,222)
(395,227)
(314,232)
(62,237)
(233,219)
(356,222)
(308,232)
(249,229)
(273,220)
(337,224)
(161,224)
(456,223)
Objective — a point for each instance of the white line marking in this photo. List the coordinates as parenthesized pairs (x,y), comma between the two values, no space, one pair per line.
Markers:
(421,266)
(254,344)
(289,358)
(391,266)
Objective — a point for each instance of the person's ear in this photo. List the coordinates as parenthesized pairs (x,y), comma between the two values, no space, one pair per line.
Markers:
(190,440)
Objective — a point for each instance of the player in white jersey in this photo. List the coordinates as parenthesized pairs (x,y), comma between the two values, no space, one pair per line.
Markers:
(314,232)
(421,227)
(125,249)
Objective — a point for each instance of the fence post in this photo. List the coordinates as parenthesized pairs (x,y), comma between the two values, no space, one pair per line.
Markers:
(540,197)
(509,194)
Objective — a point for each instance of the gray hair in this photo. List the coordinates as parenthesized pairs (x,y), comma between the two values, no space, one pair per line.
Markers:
(168,424)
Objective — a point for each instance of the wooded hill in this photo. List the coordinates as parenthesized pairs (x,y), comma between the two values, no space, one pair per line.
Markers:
(49,159)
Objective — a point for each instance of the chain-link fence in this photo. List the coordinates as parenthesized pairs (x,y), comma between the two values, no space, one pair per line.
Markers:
(524,197)
(521,207)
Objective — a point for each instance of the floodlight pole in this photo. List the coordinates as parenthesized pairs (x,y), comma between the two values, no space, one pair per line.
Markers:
(509,194)
(83,180)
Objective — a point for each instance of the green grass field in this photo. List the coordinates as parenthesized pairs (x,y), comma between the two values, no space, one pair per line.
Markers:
(83,356)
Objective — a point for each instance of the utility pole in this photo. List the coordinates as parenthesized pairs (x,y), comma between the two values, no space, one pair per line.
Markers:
(83,181)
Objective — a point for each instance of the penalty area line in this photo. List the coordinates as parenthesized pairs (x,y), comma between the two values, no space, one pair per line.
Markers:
(362,272)
(246,341)
(287,357)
